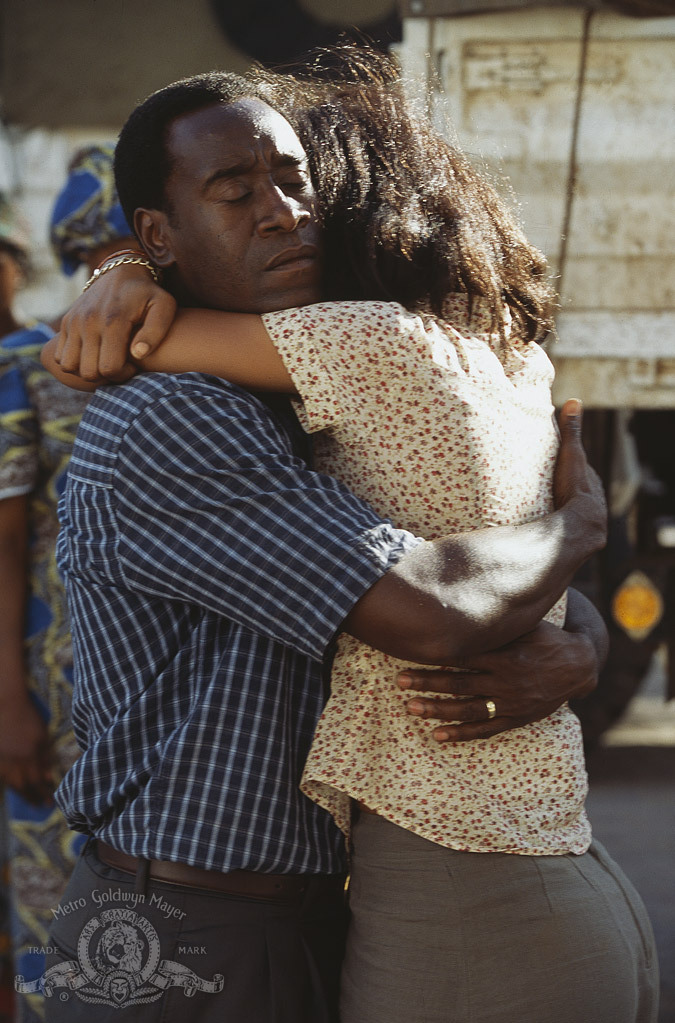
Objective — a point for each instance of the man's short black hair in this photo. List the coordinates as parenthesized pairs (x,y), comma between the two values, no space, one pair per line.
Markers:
(142,163)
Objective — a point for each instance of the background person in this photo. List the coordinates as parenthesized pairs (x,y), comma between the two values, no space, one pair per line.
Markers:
(38,421)
(14,268)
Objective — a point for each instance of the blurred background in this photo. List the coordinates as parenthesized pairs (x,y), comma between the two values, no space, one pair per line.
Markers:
(571,109)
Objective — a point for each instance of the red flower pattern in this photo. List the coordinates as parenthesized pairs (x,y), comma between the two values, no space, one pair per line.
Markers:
(440,427)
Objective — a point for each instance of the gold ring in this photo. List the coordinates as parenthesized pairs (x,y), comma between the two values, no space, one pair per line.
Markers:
(491,709)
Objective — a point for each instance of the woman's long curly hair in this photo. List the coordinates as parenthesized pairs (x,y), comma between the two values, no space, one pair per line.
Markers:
(406,216)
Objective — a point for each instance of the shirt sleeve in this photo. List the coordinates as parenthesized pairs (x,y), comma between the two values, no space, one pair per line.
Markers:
(214,508)
(18,430)
(336,352)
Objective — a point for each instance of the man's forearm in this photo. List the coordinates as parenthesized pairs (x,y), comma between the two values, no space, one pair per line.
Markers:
(473,591)
(477,591)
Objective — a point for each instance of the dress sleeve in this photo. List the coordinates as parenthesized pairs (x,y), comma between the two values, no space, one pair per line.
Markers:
(213,510)
(335,351)
(18,430)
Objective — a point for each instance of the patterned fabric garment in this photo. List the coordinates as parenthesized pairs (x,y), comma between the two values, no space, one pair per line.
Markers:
(38,421)
(441,428)
(87,213)
(208,571)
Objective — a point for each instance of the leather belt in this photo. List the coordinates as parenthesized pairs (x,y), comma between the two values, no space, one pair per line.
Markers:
(247,883)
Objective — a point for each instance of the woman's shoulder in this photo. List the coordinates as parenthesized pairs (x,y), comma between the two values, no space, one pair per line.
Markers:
(336,312)
(472,320)
(354,329)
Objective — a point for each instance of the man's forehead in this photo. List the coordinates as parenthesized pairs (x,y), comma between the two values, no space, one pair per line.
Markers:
(229,133)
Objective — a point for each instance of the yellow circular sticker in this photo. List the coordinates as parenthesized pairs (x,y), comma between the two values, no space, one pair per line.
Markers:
(637,606)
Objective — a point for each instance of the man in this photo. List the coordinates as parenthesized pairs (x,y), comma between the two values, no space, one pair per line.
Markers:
(209,570)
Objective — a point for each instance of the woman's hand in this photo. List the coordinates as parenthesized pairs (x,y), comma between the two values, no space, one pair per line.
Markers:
(123,315)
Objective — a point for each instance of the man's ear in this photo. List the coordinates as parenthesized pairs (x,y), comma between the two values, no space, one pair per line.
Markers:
(152,228)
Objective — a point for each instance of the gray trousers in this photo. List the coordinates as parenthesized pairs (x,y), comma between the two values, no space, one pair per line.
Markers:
(439,936)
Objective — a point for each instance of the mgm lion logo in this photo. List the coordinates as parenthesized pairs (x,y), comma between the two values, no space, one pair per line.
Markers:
(120,947)
(118,963)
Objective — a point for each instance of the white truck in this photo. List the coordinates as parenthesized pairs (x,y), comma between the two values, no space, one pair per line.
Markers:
(572,108)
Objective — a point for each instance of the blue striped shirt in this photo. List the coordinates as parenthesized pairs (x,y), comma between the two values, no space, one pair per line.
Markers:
(208,571)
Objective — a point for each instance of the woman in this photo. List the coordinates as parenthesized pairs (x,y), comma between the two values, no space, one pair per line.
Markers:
(14,267)
(431,399)
(38,421)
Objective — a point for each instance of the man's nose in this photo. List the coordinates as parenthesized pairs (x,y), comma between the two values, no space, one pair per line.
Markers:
(282,212)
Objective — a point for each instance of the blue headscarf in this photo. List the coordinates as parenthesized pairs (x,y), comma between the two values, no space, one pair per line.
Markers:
(87,212)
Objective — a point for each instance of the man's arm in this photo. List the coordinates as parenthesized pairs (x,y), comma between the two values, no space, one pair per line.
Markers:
(527,680)
(214,511)
(445,600)
(477,591)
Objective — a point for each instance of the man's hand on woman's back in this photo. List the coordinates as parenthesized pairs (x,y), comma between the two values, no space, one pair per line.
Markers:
(526,680)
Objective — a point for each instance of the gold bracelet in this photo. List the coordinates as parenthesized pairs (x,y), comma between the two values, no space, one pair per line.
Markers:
(135,260)
(121,252)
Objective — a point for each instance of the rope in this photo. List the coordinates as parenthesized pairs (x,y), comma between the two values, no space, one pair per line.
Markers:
(574,145)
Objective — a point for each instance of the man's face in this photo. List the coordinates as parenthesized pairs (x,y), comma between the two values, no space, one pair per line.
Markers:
(241,223)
